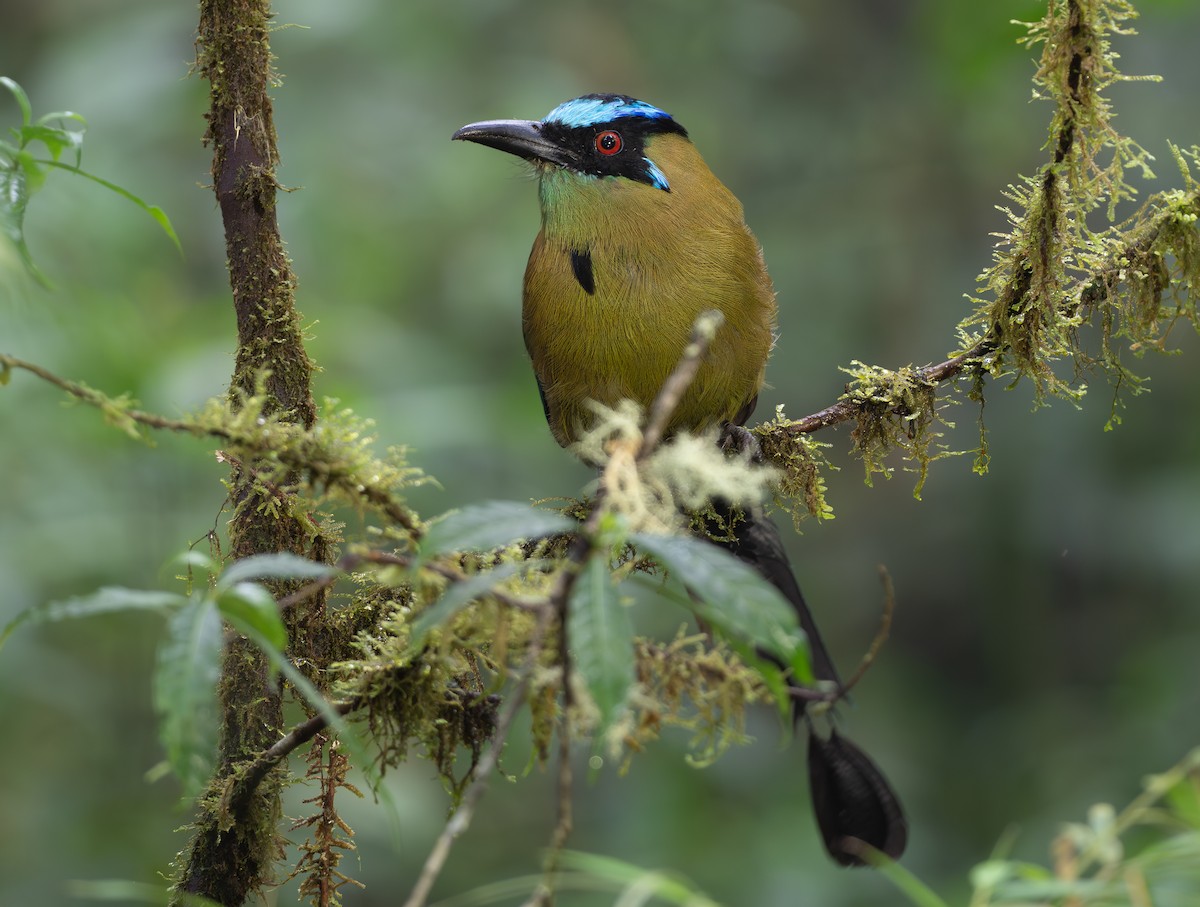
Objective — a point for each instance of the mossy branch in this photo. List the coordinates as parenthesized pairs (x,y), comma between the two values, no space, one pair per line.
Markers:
(333,456)
(1052,273)
(234,846)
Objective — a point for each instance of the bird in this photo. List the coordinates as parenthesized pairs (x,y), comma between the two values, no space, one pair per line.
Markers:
(637,239)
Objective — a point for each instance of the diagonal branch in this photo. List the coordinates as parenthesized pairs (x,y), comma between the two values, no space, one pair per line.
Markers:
(254,774)
(461,820)
(680,379)
(1085,293)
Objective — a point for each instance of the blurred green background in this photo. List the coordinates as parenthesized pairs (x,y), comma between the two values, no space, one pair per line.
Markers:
(1044,654)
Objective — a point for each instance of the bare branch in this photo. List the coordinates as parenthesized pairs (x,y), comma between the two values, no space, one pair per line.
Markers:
(461,820)
(881,635)
(282,748)
(677,383)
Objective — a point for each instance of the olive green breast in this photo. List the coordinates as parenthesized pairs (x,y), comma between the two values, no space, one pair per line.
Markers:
(655,261)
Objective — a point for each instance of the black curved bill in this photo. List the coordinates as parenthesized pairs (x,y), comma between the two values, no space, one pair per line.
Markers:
(524,138)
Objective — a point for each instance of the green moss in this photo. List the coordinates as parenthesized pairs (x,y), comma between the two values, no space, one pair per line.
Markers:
(1055,275)
(693,684)
(800,460)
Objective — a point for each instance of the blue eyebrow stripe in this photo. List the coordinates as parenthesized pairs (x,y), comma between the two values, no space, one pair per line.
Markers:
(590,111)
(657,177)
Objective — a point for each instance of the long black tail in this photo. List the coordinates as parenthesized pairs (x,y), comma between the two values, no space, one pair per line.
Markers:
(852,799)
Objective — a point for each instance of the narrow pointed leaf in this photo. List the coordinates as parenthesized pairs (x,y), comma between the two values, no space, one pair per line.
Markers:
(669,887)
(22,99)
(282,565)
(457,596)
(74,137)
(127,892)
(60,116)
(154,211)
(918,893)
(103,601)
(185,691)
(491,525)
(250,603)
(14,197)
(1184,799)
(730,595)
(601,640)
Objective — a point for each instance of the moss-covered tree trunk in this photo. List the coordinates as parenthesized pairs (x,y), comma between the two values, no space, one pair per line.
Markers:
(235,842)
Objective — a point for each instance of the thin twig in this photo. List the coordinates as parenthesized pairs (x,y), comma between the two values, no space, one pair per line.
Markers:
(978,355)
(677,383)
(581,549)
(377,497)
(299,735)
(665,403)
(461,820)
(543,895)
(101,401)
(881,635)
(556,603)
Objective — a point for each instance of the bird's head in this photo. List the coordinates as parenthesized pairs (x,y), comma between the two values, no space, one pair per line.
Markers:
(596,136)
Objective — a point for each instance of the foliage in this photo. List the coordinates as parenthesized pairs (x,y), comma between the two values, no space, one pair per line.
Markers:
(1093,863)
(437,616)
(22,174)
(189,658)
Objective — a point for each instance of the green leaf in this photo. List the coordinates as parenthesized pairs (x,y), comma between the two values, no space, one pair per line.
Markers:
(990,874)
(636,880)
(185,691)
(457,596)
(63,115)
(1184,799)
(22,174)
(73,137)
(601,639)
(154,211)
(103,601)
(35,176)
(126,892)
(55,140)
(913,888)
(731,596)
(282,565)
(491,525)
(14,197)
(251,604)
(22,99)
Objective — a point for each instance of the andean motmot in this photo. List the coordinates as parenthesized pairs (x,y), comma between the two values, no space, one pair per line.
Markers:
(638,238)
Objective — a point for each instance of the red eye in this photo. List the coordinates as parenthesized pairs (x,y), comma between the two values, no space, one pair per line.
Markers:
(609,142)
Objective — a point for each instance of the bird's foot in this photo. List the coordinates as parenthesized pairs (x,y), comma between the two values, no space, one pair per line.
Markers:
(740,440)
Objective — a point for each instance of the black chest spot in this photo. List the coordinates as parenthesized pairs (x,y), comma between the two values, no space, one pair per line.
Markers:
(581,265)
